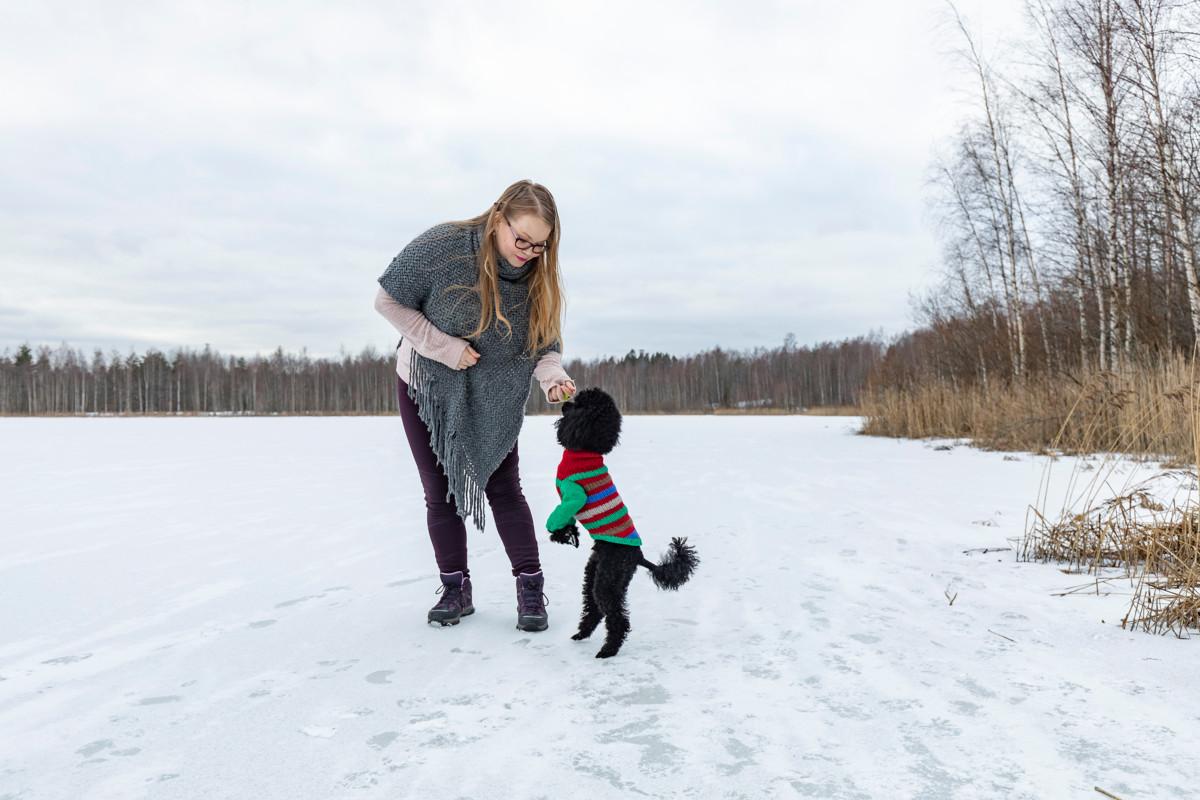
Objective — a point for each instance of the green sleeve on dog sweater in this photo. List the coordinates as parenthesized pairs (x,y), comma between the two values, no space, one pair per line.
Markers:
(573,499)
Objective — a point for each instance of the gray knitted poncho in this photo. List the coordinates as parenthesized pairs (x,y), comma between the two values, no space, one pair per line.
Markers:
(474,415)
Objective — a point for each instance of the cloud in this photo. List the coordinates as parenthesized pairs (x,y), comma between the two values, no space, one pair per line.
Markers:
(193,173)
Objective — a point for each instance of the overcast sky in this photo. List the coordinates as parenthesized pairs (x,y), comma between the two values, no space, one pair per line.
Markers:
(177,174)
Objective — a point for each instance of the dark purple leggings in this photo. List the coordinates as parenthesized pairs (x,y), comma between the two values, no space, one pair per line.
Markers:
(447,531)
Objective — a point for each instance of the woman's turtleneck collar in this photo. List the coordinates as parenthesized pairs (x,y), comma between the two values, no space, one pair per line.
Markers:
(509,272)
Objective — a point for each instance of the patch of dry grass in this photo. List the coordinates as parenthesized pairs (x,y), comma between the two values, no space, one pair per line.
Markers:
(1142,410)
(1157,546)
(1155,542)
(1148,411)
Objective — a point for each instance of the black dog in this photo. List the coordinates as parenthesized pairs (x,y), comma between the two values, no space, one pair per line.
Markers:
(589,428)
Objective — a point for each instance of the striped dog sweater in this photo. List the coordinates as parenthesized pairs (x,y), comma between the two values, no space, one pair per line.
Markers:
(587,494)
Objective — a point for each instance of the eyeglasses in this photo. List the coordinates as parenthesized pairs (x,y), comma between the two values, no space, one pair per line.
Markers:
(525,244)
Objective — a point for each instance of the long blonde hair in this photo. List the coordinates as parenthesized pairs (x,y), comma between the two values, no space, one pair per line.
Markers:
(545,285)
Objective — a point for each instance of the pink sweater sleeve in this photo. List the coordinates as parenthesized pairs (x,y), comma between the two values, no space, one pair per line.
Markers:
(549,371)
(425,337)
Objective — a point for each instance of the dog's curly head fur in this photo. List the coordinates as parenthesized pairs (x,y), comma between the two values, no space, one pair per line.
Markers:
(589,422)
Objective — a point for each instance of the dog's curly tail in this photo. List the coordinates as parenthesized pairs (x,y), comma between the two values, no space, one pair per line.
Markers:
(677,565)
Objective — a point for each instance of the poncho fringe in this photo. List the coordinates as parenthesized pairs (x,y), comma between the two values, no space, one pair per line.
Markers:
(463,485)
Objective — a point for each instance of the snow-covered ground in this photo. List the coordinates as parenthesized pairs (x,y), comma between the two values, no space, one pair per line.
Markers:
(234,608)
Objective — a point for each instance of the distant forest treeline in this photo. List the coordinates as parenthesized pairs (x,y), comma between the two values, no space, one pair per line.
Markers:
(63,380)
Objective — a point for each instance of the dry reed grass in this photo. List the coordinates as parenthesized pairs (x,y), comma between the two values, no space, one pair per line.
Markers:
(1157,543)
(1141,411)
(1149,411)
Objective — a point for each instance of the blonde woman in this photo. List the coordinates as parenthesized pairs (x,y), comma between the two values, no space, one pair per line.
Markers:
(478,304)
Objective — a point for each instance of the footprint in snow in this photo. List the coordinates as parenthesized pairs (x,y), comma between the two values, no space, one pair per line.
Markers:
(382,740)
(318,732)
(381,676)
(68,659)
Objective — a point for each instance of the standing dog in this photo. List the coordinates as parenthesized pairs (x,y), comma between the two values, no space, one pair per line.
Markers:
(589,428)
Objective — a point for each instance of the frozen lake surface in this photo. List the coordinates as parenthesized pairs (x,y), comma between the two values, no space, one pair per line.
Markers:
(234,608)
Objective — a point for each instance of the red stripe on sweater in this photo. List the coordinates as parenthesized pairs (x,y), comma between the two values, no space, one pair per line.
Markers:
(614,528)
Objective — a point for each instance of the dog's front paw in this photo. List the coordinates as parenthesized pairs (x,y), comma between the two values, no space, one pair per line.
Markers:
(568,534)
(608,651)
(579,636)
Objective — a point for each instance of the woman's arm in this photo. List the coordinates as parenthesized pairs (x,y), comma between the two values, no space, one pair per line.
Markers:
(425,337)
(550,373)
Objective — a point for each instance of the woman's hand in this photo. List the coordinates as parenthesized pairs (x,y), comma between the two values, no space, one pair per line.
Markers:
(561,391)
(468,358)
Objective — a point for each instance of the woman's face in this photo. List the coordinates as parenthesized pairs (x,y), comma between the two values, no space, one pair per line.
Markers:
(529,228)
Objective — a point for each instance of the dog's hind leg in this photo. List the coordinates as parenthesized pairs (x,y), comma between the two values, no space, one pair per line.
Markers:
(591,612)
(612,585)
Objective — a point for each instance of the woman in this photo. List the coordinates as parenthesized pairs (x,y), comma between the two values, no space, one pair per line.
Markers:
(478,305)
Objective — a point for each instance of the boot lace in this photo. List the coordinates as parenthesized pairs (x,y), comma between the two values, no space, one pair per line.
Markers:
(533,600)
(451,596)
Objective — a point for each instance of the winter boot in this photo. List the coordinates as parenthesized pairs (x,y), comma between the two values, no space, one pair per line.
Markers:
(455,602)
(531,603)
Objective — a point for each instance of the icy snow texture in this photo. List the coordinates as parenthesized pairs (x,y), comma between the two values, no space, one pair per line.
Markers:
(234,608)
